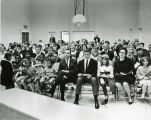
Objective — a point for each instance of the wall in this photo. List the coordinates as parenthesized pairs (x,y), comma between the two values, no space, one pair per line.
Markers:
(111,19)
(50,16)
(14,14)
(145,20)
(0,22)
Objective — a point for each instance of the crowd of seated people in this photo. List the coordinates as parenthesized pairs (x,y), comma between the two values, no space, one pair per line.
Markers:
(40,68)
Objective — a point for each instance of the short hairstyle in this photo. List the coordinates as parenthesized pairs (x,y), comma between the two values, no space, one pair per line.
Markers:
(123,48)
(18,45)
(27,43)
(28,51)
(107,42)
(87,50)
(84,45)
(142,43)
(39,46)
(7,55)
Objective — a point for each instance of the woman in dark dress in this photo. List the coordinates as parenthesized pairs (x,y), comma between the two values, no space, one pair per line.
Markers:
(124,73)
(7,72)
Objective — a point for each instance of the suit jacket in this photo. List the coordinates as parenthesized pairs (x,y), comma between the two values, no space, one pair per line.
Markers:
(92,67)
(6,73)
(73,69)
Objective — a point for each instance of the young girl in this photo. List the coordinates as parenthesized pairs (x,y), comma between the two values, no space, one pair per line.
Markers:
(39,74)
(143,75)
(105,75)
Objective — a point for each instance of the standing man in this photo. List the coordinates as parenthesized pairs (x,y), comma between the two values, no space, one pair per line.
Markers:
(67,73)
(7,72)
(87,72)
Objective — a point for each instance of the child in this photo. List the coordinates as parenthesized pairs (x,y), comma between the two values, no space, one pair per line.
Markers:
(144,76)
(39,74)
(105,75)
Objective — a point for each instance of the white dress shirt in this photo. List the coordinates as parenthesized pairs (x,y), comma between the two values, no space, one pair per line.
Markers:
(85,63)
(67,62)
(104,68)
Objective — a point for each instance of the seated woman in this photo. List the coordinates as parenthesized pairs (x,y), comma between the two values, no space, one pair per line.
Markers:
(124,73)
(47,80)
(143,75)
(81,54)
(105,75)
(25,75)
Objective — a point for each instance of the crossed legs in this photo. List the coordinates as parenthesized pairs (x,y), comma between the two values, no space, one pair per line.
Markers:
(125,87)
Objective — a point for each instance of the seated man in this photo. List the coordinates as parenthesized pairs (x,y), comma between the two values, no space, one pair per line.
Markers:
(67,73)
(87,72)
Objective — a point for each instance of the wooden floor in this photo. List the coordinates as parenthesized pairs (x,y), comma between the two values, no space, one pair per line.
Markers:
(45,108)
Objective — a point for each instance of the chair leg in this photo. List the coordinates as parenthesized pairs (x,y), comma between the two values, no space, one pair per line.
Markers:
(116,93)
(58,93)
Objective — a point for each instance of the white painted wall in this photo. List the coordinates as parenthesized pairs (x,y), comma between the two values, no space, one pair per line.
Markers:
(111,19)
(145,21)
(14,15)
(0,22)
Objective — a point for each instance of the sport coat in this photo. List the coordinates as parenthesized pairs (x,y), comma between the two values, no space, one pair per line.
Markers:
(91,69)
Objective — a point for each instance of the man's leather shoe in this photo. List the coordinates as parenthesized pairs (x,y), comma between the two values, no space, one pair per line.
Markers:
(76,102)
(62,99)
(51,93)
(97,105)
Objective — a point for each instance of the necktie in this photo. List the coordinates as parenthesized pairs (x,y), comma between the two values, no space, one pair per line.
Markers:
(86,66)
(67,63)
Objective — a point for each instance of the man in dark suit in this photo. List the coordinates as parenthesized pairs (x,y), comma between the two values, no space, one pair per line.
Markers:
(87,72)
(67,73)
(7,72)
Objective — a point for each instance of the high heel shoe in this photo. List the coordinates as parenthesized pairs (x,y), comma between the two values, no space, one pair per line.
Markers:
(132,98)
(104,102)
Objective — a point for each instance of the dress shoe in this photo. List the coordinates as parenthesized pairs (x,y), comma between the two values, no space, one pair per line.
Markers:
(62,99)
(51,93)
(76,102)
(104,102)
(130,102)
(97,105)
